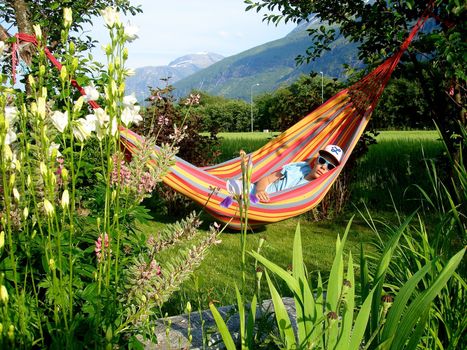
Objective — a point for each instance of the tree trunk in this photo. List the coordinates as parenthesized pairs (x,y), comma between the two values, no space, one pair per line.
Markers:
(23,20)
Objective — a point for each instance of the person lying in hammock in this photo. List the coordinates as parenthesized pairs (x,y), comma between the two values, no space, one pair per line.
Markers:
(295,174)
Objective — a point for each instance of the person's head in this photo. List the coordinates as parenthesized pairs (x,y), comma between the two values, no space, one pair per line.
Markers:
(328,159)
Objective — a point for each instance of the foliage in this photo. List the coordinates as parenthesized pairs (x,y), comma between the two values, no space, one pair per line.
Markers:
(49,14)
(74,271)
(379,27)
(168,122)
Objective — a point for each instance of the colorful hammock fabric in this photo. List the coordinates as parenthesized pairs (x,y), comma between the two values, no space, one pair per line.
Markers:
(341,120)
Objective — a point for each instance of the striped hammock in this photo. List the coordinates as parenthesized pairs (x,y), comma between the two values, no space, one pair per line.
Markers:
(341,121)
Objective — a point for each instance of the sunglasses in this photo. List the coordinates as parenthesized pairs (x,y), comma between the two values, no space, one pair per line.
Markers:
(322,160)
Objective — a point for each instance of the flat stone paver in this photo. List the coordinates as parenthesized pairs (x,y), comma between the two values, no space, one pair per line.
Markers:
(172,332)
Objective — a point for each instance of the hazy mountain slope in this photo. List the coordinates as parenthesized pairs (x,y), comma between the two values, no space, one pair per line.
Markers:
(176,70)
(271,65)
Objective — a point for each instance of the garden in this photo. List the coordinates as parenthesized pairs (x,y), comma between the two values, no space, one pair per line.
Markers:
(94,247)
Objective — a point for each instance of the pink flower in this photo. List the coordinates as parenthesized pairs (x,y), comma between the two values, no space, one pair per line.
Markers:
(98,249)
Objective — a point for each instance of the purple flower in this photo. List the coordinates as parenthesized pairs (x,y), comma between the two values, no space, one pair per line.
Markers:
(227,202)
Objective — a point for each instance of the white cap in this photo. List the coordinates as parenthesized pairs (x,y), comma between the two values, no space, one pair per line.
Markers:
(334,151)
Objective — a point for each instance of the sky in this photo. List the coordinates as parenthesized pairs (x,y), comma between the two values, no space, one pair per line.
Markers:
(169,29)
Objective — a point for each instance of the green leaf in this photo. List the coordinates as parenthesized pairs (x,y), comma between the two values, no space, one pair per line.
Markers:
(291,282)
(337,273)
(250,326)
(241,314)
(305,303)
(349,305)
(222,327)
(361,322)
(423,301)
(400,302)
(282,317)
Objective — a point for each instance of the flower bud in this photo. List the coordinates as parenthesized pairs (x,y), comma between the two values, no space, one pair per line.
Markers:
(78,104)
(49,208)
(125,53)
(31,81)
(25,213)
(2,239)
(75,63)
(188,307)
(67,16)
(332,317)
(114,195)
(72,49)
(7,154)
(121,88)
(11,332)
(12,179)
(387,301)
(3,295)
(16,194)
(64,174)
(28,180)
(43,169)
(65,199)
(63,73)
(52,264)
(37,31)
(41,69)
(41,107)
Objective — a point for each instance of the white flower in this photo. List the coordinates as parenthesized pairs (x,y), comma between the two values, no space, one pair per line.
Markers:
(67,16)
(49,208)
(111,16)
(83,128)
(54,149)
(130,115)
(130,32)
(11,114)
(91,93)
(60,120)
(65,199)
(16,194)
(114,127)
(10,137)
(129,100)
(102,117)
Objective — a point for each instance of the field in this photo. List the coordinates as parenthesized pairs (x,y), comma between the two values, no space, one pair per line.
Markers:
(391,166)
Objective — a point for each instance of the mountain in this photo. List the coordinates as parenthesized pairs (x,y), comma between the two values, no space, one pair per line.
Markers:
(270,65)
(176,70)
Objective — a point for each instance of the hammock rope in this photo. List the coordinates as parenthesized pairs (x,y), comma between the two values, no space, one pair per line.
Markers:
(341,120)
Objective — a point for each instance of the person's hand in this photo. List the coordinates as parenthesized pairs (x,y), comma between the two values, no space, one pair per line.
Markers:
(262,196)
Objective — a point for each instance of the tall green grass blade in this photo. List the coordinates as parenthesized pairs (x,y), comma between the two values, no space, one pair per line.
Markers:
(337,272)
(241,315)
(423,301)
(360,323)
(334,287)
(364,275)
(319,308)
(305,303)
(381,273)
(250,326)
(417,334)
(282,318)
(349,305)
(291,282)
(222,327)
(400,302)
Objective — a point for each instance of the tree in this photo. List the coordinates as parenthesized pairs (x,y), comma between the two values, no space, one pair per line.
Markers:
(436,58)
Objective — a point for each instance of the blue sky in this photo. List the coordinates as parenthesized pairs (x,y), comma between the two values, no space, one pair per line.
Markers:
(173,28)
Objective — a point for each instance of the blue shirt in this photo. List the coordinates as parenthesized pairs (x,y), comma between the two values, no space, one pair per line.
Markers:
(293,174)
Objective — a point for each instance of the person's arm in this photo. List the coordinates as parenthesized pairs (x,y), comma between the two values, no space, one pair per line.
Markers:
(263,183)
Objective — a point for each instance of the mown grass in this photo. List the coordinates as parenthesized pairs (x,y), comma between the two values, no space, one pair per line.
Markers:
(388,169)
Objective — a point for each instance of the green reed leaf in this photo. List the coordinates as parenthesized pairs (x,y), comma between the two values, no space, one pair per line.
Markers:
(222,327)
